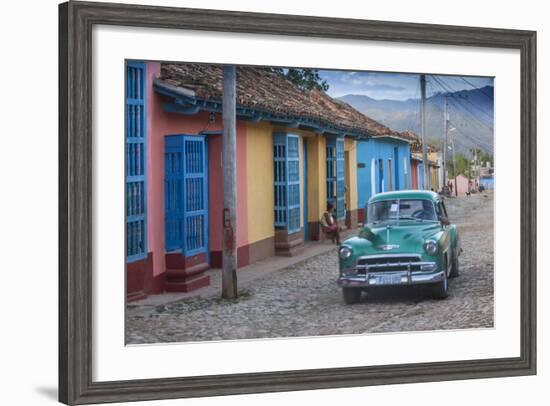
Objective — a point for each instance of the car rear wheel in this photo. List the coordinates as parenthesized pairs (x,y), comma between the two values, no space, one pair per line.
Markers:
(351,295)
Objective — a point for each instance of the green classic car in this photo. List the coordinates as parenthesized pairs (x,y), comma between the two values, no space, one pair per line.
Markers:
(407,240)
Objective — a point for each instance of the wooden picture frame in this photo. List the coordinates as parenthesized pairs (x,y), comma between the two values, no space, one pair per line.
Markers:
(76,20)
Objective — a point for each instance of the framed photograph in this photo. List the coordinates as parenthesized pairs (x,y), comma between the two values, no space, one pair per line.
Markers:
(259,202)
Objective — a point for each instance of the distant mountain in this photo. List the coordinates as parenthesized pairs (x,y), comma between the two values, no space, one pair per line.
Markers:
(470,112)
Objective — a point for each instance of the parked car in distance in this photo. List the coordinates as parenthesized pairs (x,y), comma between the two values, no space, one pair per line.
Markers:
(407,240)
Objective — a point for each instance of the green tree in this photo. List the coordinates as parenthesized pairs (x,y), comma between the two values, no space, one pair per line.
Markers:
(486,157)
(462,165)
(481,156)
(307,79)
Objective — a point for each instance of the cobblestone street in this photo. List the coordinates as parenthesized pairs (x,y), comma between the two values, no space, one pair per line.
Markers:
(304,300)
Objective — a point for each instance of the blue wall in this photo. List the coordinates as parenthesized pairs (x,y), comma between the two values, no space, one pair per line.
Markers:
(488,183)
(378,152)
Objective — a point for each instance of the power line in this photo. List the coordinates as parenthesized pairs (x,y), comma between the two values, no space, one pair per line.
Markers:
(485,144)
(462,80)
(454,98)
(415,118)
(476,120)
(477,88)
(450,89)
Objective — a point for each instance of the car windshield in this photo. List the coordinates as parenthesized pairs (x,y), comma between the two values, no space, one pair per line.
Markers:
(401,209)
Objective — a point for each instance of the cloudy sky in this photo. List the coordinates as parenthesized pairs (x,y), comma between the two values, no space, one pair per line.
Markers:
(392,85)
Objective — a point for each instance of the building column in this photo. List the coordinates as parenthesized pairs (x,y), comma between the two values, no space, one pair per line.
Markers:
(317,183)
(350,150)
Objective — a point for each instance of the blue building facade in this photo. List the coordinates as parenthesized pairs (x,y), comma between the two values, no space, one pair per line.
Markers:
(488,183)
(383,164)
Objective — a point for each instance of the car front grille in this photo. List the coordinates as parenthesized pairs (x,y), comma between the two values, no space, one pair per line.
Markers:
(388,263)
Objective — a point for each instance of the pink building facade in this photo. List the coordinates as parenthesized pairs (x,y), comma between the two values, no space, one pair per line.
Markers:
(160,271)
(463,185)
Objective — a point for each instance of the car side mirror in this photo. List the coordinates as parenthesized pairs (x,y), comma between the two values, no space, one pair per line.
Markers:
(444,220)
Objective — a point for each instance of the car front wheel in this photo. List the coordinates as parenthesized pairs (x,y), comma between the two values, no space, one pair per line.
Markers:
(351,295)
(440,290)
(454,267)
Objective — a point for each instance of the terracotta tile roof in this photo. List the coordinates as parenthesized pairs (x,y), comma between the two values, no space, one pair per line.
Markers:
(418,157)
(416,144)
(267,91)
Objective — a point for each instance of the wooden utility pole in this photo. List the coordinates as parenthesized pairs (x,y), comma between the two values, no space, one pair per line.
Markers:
(454,166)
(476,167)
(445,135)
(469,174)
(425,166)
(229,163)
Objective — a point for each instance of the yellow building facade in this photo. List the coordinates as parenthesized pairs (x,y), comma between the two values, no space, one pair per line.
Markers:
(263,236)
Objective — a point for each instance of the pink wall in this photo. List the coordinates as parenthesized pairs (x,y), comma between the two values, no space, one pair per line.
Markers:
(155,192)
(161,124)
(216,185)
(414,174)
(461,185)
(216,198)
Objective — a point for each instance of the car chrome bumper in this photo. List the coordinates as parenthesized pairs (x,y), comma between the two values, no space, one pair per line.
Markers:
(398,278)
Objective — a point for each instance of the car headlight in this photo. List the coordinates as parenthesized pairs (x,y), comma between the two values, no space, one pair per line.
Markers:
(430,247)
(344,252)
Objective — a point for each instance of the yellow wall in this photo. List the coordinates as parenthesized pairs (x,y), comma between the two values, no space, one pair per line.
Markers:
(434,172)
(259,169)
(301,154)
(350,146)
(259,173)
(434,178)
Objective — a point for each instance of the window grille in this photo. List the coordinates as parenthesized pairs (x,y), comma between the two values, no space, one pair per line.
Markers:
(286,175)
(136,191)
(335,175)
(186,194)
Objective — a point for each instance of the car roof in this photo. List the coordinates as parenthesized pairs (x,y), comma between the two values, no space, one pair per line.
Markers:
(405,194)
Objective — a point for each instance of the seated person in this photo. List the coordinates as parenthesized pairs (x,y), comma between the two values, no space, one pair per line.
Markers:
(427,212)
(329,224)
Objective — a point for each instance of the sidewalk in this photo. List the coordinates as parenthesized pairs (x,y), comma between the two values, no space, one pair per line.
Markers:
(245,274)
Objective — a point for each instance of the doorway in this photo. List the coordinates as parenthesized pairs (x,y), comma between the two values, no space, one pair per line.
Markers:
(186,194)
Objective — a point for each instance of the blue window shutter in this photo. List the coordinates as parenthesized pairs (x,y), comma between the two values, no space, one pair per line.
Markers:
(340,181)
(136,188)
(196,195)
(293,183)
(286,176)
(279,177)
(186,194)
(174,192)
(335,175)
(331,171)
